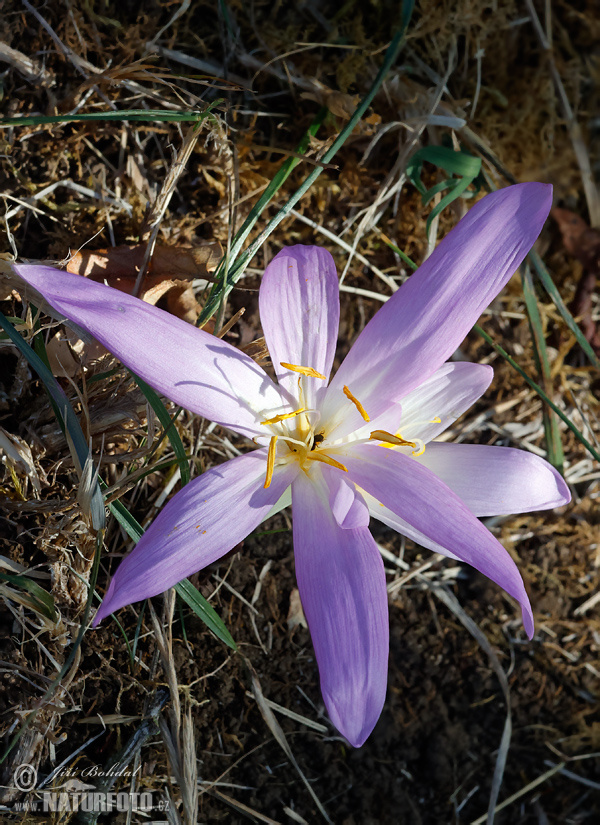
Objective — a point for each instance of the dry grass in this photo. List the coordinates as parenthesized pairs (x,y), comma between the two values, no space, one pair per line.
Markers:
(233,728)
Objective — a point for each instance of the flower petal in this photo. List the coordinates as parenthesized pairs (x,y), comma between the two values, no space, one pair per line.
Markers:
(186,364)
(300,311)
(445,395)
(389,518)
(342,587)
(420,498)
(285,500)
(205,520)
(347,505)
(493,481)
(435,404)
(428,317)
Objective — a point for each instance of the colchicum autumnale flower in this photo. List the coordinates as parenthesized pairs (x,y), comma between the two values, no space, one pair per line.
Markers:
(359,446)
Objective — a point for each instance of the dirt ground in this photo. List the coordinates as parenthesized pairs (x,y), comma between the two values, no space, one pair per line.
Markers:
(195,713)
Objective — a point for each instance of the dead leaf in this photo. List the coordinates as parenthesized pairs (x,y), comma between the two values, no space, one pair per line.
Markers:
(170,268)
(583,243)
(60,357)
(295,617)
(339,104)
(580,240)
(17,456)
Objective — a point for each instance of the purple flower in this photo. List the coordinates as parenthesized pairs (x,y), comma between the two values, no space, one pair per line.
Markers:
(358,446)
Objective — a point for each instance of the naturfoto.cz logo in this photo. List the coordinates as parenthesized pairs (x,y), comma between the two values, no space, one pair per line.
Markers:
(70,800)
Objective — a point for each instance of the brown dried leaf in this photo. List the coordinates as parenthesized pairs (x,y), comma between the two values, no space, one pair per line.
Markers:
(170,268)
(60,357)
(16,453)
(295,616)
(579,239)
(339,104)
(583,243)
(182,302)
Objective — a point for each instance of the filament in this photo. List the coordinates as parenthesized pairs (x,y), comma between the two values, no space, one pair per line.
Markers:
(282,416)
(317,456)
(270,461)
(356,403)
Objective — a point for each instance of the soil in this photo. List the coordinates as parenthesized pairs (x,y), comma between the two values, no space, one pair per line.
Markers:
(432,755)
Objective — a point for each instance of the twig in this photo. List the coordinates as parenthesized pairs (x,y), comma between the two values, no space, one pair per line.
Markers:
(164,198)
(592,195)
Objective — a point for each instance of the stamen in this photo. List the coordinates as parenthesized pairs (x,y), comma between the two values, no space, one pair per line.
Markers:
(356,403)
(270,461)
(382,435)
(316,456)
(282,416)
(420,450)
(289,440)
(309,371)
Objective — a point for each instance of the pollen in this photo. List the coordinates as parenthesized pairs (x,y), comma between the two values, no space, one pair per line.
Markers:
(270,461)
(356,403)
(436,420)
(382,435)
(310,372)
(283,416)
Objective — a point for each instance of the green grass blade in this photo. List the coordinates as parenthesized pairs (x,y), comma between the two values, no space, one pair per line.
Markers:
(455,192)
(136,115)
(458,163)
(554,295)
(72,653)
(533,257)
(188,592)
(64,412)
(401,254)
(128,522)
(168,424)
(464,166)
(553,440)
(275,184)
(204,611)
(229,278)
(579,435)
(41,599)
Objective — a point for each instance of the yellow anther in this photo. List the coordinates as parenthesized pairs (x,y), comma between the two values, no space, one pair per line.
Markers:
(356,403)
(317,456)
(270,461)
(436,420)
(309,371)
(382,435)
(420,451)
(282,416)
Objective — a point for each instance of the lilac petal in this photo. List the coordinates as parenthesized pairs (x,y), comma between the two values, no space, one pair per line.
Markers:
(434,405)
(385,515)
(493,481)
(342,587)
(445,395)
(428,317)
(347,505)
(186,364)
(285,500)
(416,495)
(300,310)
(205,520)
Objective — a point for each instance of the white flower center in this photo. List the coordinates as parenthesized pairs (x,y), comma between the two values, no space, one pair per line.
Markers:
(296,436)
